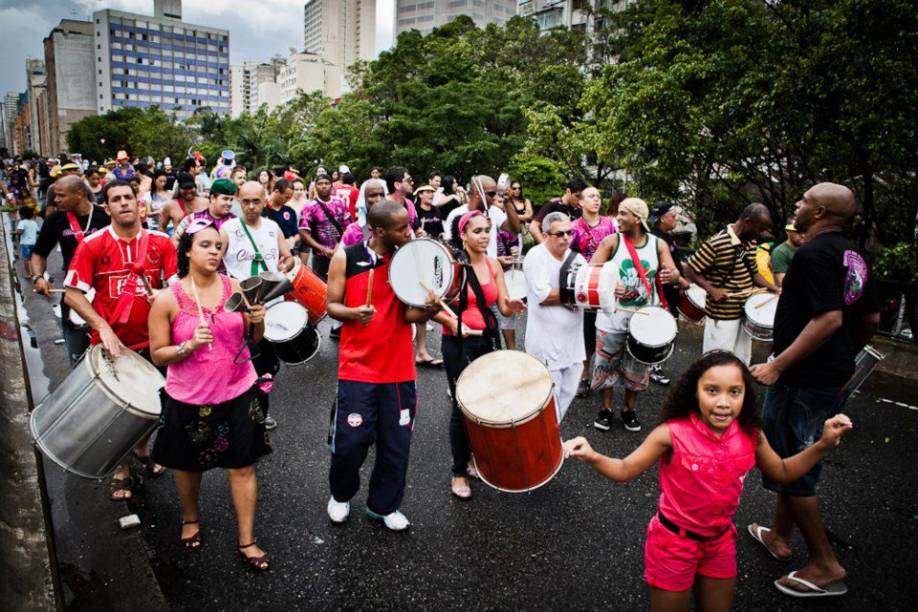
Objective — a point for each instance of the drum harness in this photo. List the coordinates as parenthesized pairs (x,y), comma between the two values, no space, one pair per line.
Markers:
(640,270)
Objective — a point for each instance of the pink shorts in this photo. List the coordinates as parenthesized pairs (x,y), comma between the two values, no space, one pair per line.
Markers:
(671,561)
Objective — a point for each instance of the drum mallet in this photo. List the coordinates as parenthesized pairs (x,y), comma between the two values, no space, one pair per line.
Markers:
(52,291)
(197,302)
(443,304)
(757,306)
(370,288)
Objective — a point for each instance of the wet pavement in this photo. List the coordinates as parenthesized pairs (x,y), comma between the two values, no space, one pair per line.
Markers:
(576,543)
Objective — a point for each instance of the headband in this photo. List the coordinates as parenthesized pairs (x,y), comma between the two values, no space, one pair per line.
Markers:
(464,219)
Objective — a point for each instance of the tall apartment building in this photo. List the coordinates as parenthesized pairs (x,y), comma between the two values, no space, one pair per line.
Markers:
(245,80)
(568,13)
(424,16)
(143,60)
(307,72)
(36,83)
(8,113)
(340,31)
(69,81)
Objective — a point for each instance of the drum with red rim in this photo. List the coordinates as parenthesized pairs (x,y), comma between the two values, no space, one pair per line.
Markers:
(691,303)
(309,290)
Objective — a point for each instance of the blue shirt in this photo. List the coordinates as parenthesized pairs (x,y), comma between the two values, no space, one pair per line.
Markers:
(285,217)
(29,231)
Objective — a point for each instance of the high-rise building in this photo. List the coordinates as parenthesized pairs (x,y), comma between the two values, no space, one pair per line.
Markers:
(36,82)
(143,60)
(245,80)
(340,31)
(568,13)
(307,72)
(69,82)
(425,16)
(9,110)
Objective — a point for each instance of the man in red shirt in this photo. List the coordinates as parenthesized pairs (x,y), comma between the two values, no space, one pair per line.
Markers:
(377,397)
(347,192)
(126,265)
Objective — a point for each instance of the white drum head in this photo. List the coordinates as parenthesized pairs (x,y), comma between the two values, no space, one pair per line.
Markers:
(284,320)
(697,296)
(422,260)
(503,387)
(130,378)
(652,326)
(761,309)
(516,284)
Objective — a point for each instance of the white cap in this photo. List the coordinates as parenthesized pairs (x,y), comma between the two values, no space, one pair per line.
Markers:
(343,168)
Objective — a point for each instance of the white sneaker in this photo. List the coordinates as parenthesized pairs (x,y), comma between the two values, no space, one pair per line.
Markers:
(396,521)
(338,511)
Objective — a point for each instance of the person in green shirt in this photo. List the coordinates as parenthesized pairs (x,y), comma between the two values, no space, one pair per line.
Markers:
(782,255)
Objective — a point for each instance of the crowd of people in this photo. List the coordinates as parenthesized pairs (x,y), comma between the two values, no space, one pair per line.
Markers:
(152,253)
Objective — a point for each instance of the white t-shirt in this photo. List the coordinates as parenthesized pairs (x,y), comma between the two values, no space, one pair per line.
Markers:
(554,334)
(239,252)
(496,215)
(29,231)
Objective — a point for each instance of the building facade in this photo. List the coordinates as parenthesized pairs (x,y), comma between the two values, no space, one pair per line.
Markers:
(8,113)
(340,31)
(573,14)
(307,72)
(36,79)
(425,15)
(142,61)
(69,80)
(245,80)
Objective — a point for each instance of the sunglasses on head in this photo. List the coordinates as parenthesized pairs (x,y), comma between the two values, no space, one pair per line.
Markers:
(198,224)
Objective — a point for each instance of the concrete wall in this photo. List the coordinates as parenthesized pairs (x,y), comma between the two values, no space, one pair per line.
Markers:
(27,572)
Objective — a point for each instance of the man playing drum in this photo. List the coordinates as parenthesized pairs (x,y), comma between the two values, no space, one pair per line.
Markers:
(554,330)
(725,268)
(376,397)
(640,263)
(127,266)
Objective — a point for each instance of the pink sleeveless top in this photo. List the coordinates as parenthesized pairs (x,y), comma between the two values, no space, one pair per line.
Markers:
(702,483)
(209,376)
(472,317)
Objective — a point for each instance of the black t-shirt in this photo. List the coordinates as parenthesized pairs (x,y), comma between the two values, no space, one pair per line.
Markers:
(56,229)
(826,274)
(556,205)
(431,221)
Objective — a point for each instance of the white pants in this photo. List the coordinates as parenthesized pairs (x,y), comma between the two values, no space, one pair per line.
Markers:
(727,336)
(566,378)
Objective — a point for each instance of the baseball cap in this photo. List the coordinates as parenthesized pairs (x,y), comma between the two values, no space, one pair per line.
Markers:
(185,181)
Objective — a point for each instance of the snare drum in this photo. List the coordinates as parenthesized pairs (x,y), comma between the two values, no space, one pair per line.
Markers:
(651,335)
(593,288)
(287,328)
(309,290)
(516,284)
(691,303)
(508,404)
(429,262)
(759,316)
(101,410)
(75,319)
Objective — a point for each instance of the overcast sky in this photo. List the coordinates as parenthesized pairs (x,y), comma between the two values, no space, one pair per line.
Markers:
(258,29)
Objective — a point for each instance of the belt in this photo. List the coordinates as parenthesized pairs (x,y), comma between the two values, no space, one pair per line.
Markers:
(685,533)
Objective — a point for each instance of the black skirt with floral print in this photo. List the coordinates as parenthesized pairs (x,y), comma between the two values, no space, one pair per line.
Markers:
(197,438)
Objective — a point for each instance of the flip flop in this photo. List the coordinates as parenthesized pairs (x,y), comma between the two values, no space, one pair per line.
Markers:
(429,363)
(756,533)
(830,590)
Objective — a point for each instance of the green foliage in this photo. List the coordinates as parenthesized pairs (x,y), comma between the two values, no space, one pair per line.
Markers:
(898,263)
(542,177)
(139,131)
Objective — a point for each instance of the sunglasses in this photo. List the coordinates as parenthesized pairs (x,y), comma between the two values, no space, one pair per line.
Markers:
(560,234)
(198,224)
(490,194)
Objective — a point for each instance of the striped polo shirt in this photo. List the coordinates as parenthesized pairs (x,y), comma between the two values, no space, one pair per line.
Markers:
(725,261)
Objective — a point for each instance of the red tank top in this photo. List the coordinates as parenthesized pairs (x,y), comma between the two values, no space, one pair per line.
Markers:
(471,317)
(381,352)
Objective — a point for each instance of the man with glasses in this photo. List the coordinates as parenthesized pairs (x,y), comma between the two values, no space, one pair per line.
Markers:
(554,331)
(569,204)
(481,197)
(400,186)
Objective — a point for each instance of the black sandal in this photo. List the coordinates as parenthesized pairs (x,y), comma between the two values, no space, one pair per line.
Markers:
(121,484)
(259,564)
(192,542)
(150,465)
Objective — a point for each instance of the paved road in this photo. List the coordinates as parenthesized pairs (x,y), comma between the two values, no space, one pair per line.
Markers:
(576,543)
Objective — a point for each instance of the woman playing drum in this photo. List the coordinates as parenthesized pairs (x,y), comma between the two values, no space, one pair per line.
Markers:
(479,331)
(210,414)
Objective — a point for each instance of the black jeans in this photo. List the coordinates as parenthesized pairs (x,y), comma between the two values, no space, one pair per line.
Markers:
(473,347)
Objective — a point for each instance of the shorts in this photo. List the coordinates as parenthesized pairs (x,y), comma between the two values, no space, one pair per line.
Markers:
(672,561)
(25,251)
(589,331)
(792,420)
(613,365)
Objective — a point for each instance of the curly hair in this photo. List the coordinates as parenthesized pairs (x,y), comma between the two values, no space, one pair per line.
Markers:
(683,399)
(184,246)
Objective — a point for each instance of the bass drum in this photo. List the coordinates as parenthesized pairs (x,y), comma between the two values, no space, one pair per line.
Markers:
(287,328)
(508,404)
(691,303)
(423,262)
(101,411)
(652,335)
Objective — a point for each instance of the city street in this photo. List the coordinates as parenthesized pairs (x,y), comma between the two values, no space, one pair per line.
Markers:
(576,543)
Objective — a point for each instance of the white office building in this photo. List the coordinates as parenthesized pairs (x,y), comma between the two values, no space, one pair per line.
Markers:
(245,79)
(424,16)
(340,31)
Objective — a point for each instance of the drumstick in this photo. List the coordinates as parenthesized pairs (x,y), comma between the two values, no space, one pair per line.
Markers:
(52,291)
(197,302)
(146,285)
(443,304)
(633,311)
(370,289)
(757,306)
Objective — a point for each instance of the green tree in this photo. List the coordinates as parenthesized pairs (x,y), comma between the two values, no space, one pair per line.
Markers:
(139,131)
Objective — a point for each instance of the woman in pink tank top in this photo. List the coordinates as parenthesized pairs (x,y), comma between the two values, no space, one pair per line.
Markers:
(708,441)
(211,417)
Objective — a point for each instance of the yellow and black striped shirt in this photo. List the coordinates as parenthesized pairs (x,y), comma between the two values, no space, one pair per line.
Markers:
(725,262)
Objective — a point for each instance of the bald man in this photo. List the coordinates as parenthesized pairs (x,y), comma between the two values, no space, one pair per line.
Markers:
(76,217)
(826,313)
(481,196)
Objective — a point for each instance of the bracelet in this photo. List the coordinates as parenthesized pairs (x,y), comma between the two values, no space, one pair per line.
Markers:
(181,350)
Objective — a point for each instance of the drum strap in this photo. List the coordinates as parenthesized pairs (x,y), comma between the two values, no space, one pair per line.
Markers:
(258,260)
(565,292)
(491,327)
(75,226)
(640,270)
(330,217)
(128,292)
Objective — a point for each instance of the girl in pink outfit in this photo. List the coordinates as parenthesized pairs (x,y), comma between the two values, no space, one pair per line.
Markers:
(211,417)
(708,440)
